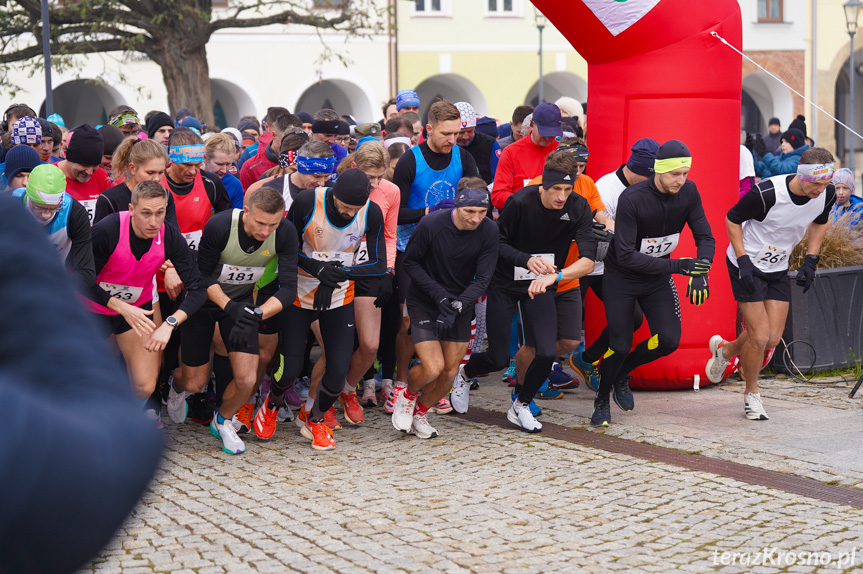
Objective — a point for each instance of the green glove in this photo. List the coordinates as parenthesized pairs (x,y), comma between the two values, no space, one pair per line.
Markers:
(697,291)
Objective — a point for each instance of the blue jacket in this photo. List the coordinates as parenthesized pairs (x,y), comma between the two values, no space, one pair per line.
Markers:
(778,164)
(855,206)
(234,189)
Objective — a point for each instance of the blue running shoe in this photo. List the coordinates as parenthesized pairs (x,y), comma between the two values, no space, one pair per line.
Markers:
(534,408)
(588,372)
(508,376)
(560,379)
(546,392)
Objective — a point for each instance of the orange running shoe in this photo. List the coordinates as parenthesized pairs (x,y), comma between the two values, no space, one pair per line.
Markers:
(301,417)
(265,420)
(331,420)
(320,435)
(244,417)
(353,410)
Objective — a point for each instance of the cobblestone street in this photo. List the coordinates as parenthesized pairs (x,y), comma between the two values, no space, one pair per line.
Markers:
(477,499)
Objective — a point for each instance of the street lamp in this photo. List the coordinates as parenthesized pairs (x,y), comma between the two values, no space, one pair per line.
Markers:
(46,54)
(541,21)
(852,11)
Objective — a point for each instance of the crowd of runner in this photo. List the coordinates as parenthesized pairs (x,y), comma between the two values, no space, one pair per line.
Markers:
(417,256)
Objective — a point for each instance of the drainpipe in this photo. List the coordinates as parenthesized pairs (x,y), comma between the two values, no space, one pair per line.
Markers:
(813,113)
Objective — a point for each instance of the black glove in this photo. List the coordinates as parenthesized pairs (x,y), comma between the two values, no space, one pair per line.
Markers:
(759,146)
(245,327)
(806,274)
(694,267)
(750,141)
(443,204)
(331,274)
(444,306)
(600,233)
(697,291)
(444,323)
(747,271)
(234,310)
(323,297)
(385,290)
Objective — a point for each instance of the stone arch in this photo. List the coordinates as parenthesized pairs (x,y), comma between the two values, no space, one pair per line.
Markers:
(84,101)
(452,88)
(342,95)
(770,98)
(230,102)
(556,85)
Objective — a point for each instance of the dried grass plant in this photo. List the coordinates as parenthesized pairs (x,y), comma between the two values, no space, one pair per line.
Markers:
(842,245)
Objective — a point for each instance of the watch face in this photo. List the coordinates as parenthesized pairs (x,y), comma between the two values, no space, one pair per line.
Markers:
(172,321)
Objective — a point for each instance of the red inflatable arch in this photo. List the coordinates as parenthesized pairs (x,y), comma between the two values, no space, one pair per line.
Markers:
(654,70)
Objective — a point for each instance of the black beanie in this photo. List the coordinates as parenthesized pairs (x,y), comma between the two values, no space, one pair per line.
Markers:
(673,148)
(156,121)
(352,187)
(795,137)
(86,146)
(799,123)
(113,137)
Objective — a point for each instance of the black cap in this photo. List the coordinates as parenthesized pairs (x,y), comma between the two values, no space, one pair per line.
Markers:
(773,122)
(673,148)
(86,146)
(156,121)
(795,137)
(113,137)
(352,187)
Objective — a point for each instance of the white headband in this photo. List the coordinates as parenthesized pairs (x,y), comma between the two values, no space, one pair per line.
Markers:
(405,140)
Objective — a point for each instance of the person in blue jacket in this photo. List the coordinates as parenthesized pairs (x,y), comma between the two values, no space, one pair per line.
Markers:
(846,201)
(793,144)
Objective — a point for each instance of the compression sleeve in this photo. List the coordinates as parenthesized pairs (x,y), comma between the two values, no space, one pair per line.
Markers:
(213,241)
(287,246)
(81,256)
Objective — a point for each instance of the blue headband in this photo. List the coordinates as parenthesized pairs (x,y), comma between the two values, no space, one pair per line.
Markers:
(316,165)
(186,153)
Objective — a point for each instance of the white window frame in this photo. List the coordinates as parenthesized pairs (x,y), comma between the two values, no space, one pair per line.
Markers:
(444,12)
(517,10)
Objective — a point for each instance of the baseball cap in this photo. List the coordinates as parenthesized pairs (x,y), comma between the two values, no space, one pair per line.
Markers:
(546,116)
(367,130)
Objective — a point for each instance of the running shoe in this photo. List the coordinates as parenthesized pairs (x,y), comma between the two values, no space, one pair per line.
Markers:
(386,389)
(754,408)
(227,435)
(534,408)
(302,417)
(459,396)
(302,385)
(717,363)
(353,411)
(266,381)
(319,433)
(474,383)
(403,412)
(178,408)
(622,394)
(589,372)
(292,399)
(285,412)
(390,405)
(509,377)
(244,417)
(331,420)
(601,416)
(560,379)
(519,414)
(422,428)
(266,419)
(369,399)
(154,417)
(442,407)
(545,392)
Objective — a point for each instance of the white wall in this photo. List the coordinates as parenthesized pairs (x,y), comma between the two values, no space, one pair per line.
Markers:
(792,34)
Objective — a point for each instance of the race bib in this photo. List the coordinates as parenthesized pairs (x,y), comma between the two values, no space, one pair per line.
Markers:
(90,206)
(343,257)
(193,239)
(522,274)
(232,275)
(362,254)
(659,246)
(771,257)
(124,293)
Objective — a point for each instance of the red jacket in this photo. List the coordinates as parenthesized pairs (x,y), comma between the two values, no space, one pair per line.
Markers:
(519,163)
(257,166)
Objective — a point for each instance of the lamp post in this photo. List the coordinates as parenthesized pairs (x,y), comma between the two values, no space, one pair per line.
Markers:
(541,21)
(852,11)
(46,53)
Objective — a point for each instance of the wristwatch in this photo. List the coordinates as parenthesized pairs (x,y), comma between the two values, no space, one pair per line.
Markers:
(259,313)
(456,304)
(172,321)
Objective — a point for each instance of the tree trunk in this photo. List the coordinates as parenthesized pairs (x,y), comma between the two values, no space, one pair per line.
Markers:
(187,79)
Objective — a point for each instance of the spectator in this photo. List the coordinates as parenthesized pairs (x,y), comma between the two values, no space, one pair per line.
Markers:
(791,148)
(846,201)
(773,135)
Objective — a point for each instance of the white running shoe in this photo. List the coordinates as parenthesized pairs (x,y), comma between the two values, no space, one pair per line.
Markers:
(390,403)
(403,412)
(459,396)
(285,412)
(177,406)
(302,386)
(422,428)
(717,363)
(386,389)
(227,435)
(519,414)
(369,399)
(154,417)
(753,407)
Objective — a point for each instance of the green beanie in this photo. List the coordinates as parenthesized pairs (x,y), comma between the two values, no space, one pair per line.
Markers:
(46,185)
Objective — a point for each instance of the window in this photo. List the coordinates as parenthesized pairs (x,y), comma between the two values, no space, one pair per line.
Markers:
(503,8)
(770,10)
(428,6)
(435,8)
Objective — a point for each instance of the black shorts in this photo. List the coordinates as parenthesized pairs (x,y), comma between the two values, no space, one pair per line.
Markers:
(568,304)
(403,280)
(774,286)
(196,335)
(367,287)
(268,326)
(116,324)
(423,318)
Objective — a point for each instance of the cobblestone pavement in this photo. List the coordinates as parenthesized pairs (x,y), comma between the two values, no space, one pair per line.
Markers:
(476,499)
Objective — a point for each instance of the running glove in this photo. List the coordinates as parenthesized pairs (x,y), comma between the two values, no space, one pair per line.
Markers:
(697,291)
(603,237)
(443,204)
(694,267)
(747,271)
(234,310)
(444,323)
(600,233)
(806,274)
(331,275)
(444,306)
(323,297)
(385,290)
(245,327)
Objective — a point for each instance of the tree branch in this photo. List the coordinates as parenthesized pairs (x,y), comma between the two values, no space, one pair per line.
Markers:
(284,17)
(111,45)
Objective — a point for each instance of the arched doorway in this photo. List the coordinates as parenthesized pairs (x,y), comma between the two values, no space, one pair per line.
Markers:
(84,102)
(556,85)
(230,103)
(341,95)
(452,88)
(764,98)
